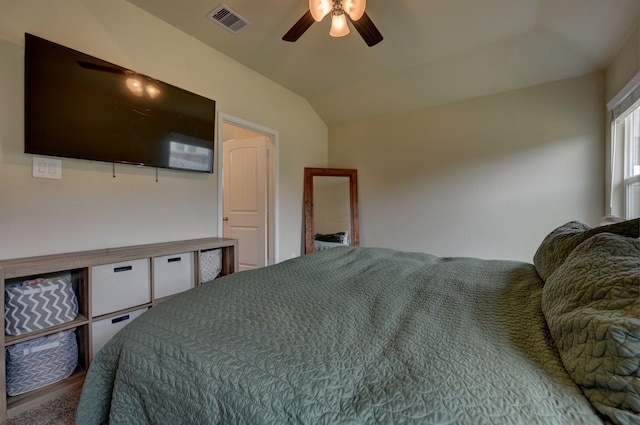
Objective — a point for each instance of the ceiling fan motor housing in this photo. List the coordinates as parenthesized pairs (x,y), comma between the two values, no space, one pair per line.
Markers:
(354,10)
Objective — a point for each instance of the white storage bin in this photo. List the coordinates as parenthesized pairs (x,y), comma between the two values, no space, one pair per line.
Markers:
(172,274)
(119,285)
(103,330)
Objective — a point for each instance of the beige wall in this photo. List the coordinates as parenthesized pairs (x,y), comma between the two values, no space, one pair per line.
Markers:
(331,204)
(488,177)
(624,66)
(89,208)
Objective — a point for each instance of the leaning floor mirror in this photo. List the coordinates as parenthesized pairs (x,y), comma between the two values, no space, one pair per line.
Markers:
(330,208)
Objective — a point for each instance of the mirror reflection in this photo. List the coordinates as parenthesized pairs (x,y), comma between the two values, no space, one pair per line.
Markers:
(331,209)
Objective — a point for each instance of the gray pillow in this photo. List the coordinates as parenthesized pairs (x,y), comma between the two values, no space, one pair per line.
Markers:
(556,246)
(591,304)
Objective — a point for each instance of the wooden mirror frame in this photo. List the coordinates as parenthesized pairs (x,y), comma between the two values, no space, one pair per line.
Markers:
(309,174)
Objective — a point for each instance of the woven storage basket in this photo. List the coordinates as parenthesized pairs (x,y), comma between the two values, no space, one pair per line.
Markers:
(39,304)
(210,264)
(41,361)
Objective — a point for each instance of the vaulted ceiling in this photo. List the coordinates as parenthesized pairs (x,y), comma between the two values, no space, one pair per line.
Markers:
(433,52)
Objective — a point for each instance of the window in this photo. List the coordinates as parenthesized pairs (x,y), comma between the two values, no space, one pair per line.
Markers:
(624,172)
(631,180)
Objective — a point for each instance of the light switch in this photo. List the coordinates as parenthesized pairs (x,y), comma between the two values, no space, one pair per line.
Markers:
(47,168)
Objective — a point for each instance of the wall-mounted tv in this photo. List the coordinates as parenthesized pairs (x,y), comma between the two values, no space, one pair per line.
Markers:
(78,106)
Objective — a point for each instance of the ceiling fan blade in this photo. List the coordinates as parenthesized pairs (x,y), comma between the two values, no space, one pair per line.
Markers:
(367,30)
(299,27)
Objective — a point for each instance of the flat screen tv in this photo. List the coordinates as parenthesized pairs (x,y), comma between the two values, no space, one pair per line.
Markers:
(78,106)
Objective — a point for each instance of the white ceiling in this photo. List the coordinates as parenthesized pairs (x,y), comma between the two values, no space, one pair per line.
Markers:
(433,52)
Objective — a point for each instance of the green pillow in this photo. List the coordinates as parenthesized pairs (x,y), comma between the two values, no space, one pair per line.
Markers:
(555,248)
(591,303)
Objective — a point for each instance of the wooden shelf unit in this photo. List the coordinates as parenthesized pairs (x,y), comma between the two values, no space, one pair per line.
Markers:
(80,264)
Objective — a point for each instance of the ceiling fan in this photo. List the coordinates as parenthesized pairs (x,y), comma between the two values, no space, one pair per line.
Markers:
(340,10)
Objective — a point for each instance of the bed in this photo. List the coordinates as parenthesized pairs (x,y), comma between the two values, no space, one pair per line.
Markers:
(372,335)
(326,241)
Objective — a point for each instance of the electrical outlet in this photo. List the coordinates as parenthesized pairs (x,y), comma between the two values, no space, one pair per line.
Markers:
(47,168)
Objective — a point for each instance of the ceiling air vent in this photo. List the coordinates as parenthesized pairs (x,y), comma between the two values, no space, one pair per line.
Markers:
(228,18)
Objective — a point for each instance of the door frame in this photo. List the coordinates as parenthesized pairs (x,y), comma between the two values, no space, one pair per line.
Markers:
(272,179)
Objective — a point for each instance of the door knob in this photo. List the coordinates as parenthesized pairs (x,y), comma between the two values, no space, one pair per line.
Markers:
(225,218)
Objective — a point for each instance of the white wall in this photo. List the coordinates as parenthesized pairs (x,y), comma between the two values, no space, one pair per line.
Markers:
(487,177)
(89,208)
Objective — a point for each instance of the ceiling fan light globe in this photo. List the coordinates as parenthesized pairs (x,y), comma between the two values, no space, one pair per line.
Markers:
(339,27)
(355,8)
(319,8)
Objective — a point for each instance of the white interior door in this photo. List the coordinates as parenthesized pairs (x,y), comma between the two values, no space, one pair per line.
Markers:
(245,199)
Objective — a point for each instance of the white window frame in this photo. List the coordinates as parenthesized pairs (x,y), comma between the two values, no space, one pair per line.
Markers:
(631,169)
(625,145)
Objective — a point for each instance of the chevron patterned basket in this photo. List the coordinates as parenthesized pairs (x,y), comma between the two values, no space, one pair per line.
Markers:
(39,304)
(41,361)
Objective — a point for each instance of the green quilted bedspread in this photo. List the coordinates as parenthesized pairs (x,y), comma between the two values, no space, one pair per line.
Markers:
(342,336)
(591,301)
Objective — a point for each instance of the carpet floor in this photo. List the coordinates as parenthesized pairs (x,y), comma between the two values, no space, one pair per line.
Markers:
(59,411)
